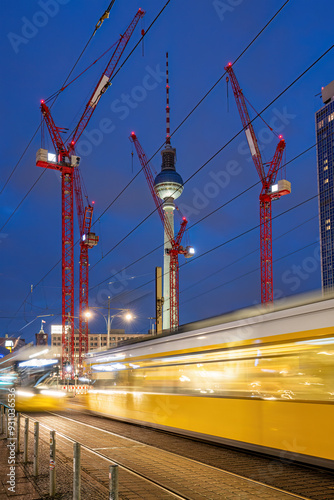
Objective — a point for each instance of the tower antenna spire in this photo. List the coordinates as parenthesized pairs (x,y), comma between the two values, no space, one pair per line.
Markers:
(167,104)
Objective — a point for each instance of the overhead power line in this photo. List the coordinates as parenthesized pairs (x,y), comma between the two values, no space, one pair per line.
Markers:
(197,105)
(189,114)
(55,95)
(194,259)
(219,150)
(248,273)
(241,130)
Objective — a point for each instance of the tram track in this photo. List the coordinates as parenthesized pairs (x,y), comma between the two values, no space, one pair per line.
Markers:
(172,475)
(292,476)
(91,466)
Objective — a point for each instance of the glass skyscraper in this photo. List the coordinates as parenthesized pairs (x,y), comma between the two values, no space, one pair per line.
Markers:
(324,119)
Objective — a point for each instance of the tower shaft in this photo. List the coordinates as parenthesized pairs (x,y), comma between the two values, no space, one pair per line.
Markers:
(167,271)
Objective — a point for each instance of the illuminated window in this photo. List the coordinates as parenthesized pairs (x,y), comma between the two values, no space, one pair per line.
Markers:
(325,181)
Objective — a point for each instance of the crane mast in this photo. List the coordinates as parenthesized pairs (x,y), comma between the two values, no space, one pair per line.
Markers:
(67,163)
(87,240)
(269,190)
(175,243)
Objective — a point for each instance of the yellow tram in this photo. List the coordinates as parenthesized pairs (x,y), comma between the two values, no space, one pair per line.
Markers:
(260,379)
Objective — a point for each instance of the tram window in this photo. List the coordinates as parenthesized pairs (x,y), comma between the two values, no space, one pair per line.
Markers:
(277,372)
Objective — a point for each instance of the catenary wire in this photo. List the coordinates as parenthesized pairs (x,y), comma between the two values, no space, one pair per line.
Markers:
(178,127)
(261,112)
(249,272)
(159,246)
(57,94)
(211,249)
(50,107)
(247,255)
(198,103)
(223,147)
(189,114)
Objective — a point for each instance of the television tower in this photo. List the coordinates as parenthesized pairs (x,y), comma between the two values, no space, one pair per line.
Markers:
(168,185)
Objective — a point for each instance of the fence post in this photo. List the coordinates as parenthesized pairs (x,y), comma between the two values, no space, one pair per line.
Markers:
(52,463)
(26,437)
(18,418)
(113,482)
(1,419)
(76,471)
(6,421)
(36,438)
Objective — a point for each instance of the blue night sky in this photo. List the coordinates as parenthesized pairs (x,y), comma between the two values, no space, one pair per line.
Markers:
(41,40)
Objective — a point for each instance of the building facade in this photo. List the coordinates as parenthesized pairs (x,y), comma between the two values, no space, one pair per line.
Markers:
(41,337)
(324,119)
(97,340)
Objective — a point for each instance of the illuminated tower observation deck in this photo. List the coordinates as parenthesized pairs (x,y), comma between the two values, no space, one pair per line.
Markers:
(168,185)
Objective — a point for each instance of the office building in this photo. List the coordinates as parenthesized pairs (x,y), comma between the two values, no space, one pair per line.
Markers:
(97,340)
(325,149)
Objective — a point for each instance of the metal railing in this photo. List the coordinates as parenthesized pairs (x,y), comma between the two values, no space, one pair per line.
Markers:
(10,425)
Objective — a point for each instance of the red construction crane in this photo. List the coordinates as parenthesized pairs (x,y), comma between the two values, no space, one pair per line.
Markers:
(269,191)
(87,240)
(67,163)
(176,247)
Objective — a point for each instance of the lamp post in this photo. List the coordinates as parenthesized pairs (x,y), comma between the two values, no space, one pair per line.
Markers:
(108,325)
(109,318)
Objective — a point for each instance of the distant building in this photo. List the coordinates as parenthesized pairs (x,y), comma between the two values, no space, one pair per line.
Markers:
(324,119)
(11,343)
(41,337)
(98,340)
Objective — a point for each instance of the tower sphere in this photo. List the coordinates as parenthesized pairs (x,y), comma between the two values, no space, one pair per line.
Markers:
(168,183)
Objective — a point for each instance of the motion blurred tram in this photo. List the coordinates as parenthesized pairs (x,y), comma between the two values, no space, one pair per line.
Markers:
(29,379)
(260,379)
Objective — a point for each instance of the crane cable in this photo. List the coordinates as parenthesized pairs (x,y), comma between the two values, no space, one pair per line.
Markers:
(213,248)
(56,264)
(189,114)
(221,149)
(80,74)
(225,204)
(249,272)
(199,102)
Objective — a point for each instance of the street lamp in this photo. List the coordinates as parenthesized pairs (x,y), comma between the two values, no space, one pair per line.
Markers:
(128,316)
